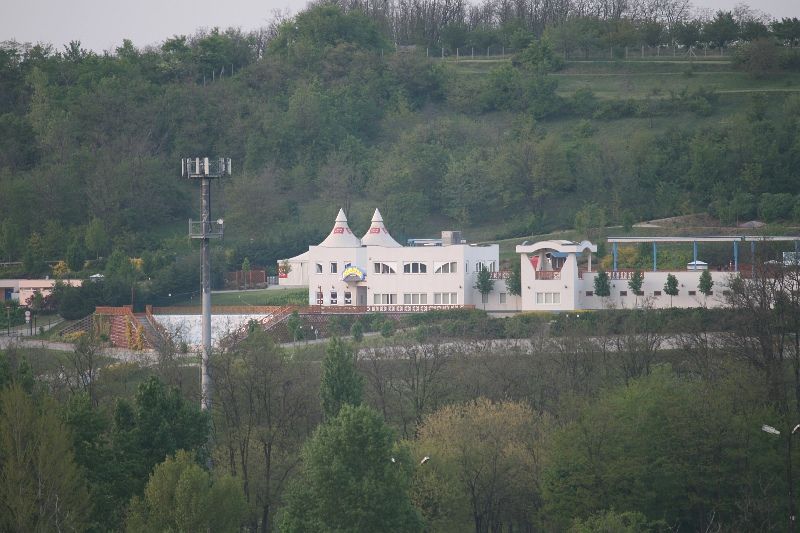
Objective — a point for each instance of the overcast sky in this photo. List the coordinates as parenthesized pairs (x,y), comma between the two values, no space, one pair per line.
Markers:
(103,24)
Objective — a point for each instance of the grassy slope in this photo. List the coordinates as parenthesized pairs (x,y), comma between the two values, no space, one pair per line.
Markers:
(253,297)
(618,79)
(638,79)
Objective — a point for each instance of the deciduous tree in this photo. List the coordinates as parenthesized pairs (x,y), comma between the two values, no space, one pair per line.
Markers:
(41,487)
(263,412)
(635,285)
(671,287)
(354,479)
(602,284)
(341,383)
(484,466)
(484,283)
(705,284)
(181,496)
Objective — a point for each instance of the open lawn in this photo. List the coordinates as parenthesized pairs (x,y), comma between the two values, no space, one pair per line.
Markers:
(253,297)
(639,78)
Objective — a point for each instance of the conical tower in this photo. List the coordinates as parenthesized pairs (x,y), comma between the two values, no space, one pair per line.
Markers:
(378,235)
(341,236)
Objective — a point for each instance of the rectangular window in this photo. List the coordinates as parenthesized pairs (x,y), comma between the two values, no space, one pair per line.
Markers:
(710,293)
(334,268)
(692,293)
(466,267)
(320,298)
(415,268)
(623,293)
(319,268)
(656,293)
(384,299)
(334,297)
(445,298)
(348,299)
(415,299)
(589,293)
(548,297)
(502,297)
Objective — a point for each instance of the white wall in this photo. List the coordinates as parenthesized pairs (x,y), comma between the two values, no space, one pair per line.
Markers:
(298,275)
(188,328)
(654,281)
(461,282)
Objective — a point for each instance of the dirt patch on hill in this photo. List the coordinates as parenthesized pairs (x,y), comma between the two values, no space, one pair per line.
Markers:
(700,220)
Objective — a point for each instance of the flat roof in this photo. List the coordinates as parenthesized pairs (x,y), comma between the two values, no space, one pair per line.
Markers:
(707,238)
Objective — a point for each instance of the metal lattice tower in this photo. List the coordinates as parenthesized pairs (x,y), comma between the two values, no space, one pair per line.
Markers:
(205,169)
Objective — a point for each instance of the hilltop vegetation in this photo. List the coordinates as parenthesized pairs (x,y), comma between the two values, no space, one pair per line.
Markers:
(320,111)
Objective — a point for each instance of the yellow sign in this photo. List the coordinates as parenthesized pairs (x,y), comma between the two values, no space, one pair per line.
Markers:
(353,273)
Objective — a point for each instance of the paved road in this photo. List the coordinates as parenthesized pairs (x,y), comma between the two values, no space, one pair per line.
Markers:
(122,354)
(611,345)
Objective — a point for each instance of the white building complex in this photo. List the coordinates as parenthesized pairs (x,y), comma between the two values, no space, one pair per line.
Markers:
(377,274)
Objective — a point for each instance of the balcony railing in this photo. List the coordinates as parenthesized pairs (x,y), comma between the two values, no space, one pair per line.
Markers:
(548,274)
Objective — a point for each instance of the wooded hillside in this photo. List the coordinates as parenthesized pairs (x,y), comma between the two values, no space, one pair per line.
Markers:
(323,110)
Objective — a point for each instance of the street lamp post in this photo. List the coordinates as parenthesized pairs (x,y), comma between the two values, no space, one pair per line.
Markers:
(789,478)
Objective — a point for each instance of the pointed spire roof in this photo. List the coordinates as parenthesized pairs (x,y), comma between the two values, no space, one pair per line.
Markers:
(341,236)
(377,234)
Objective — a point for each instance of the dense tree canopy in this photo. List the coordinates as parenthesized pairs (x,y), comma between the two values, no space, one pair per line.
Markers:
(321,108)
(354,479)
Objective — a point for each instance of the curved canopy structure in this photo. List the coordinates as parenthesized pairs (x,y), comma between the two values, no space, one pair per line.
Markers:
(561,246)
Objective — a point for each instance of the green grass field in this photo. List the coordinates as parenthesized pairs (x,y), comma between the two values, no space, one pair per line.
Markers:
(638,78)
(253,297)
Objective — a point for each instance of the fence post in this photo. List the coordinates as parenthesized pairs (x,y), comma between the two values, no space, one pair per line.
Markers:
(442,52)
(427,52)
(487,52)
(457,53)
(642,51)
(503,53)
(473,52)
(626,52)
